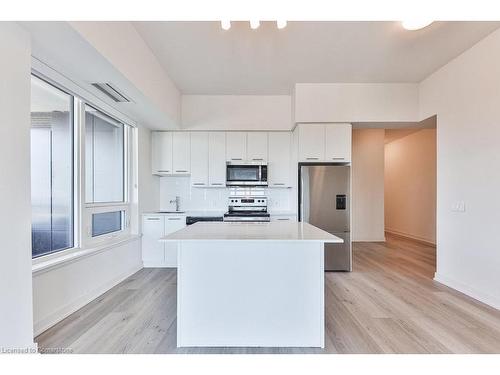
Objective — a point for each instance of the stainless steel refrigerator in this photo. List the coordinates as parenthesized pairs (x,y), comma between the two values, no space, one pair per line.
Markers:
(324,201)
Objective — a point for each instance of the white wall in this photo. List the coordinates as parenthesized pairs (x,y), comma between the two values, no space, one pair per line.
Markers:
(149,185)
(63,289)
(234,112)
(368,185)
(356,102)
(410,185)
(16,322)
(123,47)
(465,95)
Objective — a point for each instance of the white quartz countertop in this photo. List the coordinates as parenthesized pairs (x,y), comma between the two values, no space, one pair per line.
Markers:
(271,231)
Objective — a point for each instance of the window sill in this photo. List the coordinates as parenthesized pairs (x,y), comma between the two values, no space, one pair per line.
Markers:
(74,255)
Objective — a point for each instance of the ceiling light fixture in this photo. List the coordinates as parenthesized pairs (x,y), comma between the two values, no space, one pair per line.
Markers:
(415,24)
(281,24)
(254,24)
(226,25)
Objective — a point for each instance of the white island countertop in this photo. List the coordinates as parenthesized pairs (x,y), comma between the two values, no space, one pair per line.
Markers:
(271,231)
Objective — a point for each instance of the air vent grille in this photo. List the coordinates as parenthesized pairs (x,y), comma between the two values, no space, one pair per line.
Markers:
(111,92)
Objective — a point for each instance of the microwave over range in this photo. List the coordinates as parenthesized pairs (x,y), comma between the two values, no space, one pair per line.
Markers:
(246,174)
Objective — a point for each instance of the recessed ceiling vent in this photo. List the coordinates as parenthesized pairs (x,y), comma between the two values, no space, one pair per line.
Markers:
(111,92)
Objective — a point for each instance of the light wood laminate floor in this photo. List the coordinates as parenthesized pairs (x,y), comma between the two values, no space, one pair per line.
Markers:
(388,304)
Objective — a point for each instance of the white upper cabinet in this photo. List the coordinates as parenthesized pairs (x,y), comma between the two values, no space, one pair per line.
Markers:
(217,159)
(338,142)
(279,159)
(181,153)
(257,146)
(311,142)
(199,159)
(236,146)
(162,153)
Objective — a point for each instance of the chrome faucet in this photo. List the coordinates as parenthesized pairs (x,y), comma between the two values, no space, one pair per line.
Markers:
(177,202)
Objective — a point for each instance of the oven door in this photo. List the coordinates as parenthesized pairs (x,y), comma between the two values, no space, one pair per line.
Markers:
(245,175)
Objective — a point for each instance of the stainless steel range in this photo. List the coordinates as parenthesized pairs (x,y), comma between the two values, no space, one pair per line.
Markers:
(243,209)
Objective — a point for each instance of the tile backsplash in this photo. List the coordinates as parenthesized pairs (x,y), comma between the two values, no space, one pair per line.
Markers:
(199,199)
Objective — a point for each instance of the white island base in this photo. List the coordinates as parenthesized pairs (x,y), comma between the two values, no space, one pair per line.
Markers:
(251,285)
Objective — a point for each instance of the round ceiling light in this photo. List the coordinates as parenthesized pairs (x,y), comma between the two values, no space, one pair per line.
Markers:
(254,24)
(415,24)
(281,24)
(226,25)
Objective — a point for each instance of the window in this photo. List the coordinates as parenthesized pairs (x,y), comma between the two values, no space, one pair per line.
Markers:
(107,222)
(80,172)
(51,168)
(106,201)
(104,158)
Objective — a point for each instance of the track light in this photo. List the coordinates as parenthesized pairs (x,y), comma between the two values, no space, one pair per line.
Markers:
(281,24)
(415,24)
(254,24)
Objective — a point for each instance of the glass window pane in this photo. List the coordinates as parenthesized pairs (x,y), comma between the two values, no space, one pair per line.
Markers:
(104,158)
(51,168)
(106,222)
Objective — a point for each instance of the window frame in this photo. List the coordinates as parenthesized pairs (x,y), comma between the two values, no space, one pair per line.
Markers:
(88,209)
(82,212)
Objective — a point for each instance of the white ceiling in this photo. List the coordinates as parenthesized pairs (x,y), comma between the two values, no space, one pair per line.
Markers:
(201,58)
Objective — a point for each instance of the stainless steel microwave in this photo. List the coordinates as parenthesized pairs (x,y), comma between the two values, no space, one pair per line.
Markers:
(246,174)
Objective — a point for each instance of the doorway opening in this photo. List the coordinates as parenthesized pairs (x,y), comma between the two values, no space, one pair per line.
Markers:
(410,184)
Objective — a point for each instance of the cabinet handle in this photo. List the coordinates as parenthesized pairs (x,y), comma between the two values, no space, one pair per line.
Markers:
(338,158)
(257,159)
(180,171)
(153,218)
(199,183)
(174,218)
(312,158)
(286,219)
(236,159)
(216,184)
(163,170)
(278,184)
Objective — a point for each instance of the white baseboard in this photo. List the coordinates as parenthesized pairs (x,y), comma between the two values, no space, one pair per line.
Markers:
(410,236)
(488,299)
(73,306)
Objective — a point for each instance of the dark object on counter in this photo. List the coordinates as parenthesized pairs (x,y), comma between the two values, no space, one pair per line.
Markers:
(194,219)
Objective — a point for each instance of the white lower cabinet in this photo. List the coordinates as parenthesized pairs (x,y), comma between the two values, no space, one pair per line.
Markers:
(172,224)
(154,252)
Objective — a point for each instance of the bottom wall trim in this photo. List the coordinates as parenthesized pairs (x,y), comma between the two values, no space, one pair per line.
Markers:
(65,311)
(465,289)
(410,236)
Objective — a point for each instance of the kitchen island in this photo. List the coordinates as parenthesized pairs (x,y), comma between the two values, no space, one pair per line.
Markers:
(251,284)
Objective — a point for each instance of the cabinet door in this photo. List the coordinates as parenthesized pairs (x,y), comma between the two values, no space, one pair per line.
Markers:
(338,142)
(311,142)
(199,159)
(279,159)
(217,159)
(257,146)
(153,251)
(236,146)
(162,153)
(172,224)
(181,152)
